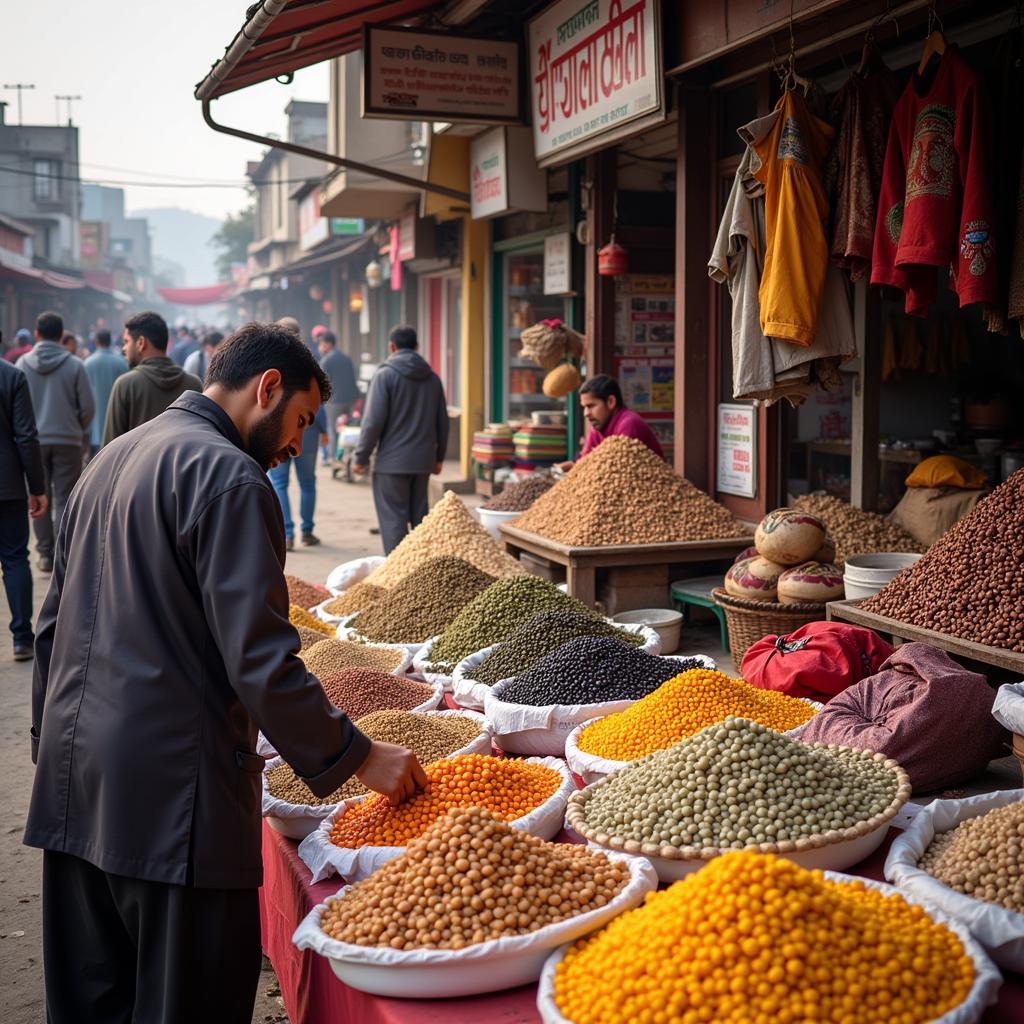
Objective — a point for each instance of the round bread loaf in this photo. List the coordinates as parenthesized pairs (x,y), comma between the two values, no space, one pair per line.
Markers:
(756,579)
(813,581)
(788,536)
(750,552)
(827,552)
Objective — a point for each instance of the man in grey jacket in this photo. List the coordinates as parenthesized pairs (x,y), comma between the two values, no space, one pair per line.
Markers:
(64,408)
(406,420)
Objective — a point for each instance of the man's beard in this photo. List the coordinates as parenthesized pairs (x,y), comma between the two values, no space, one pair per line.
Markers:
(132,358)
(265,437)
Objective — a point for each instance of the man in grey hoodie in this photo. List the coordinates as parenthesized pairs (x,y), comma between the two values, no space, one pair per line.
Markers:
(64,408)
(406,420)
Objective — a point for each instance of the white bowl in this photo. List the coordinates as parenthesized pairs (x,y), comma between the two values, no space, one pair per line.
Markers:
(865,575)
(664,621)
(490,519)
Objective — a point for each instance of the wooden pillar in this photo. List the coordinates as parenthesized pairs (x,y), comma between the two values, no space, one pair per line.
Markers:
(600,291)
(476,238)
(867,385)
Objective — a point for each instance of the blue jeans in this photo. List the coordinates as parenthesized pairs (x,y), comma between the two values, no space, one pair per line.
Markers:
(14,560)
(305,470)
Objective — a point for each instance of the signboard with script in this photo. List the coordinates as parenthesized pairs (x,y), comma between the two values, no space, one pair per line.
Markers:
(737,450)
(558,264)
(414,75)
(595,74)
(503,175)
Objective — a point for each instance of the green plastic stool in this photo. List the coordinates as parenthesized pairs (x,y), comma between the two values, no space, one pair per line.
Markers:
(687,593)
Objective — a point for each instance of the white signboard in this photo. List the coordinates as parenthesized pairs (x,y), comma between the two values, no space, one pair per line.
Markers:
(558,264)
(595,74)
(737,450)
(412,74)
(488,174)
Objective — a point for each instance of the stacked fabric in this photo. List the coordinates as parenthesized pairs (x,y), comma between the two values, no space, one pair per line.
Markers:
(540,444)
(493,446)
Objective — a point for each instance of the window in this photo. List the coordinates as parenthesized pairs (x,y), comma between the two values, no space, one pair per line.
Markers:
(45,183)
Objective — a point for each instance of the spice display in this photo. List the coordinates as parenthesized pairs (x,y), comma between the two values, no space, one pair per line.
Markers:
(854,531)
(739,784)
(968,584)
(591,670)
(541,635)
(300,617)
(812,581)
(495,615)
(429,737)
(448,529)
(683,706)
(470,878)
(756,579)
(308,637)
(519,497)
(754,938)
(983,857)
(361,691)
(788,536)
(652,504)
(305,594)
(334,655)
(508,789)
(357,598)
(424,603)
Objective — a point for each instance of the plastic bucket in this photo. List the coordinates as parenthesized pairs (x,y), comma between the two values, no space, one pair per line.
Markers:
(665,622)
(490,520)
(865,575)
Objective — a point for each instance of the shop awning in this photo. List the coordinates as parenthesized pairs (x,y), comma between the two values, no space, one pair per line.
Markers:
(39,276)
(327,254)
(197,296)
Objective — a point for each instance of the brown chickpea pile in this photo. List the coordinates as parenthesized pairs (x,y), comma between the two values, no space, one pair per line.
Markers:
(305,594)
(854,531)
(361,691)
(470,878)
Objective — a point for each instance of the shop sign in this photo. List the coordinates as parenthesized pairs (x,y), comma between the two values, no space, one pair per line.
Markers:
(407,235)
(347,225)
(595,74)
(558,264)
(503,176)
(737,450)
(411,74)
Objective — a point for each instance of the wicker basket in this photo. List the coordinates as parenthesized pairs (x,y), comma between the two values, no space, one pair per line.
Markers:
(749,621)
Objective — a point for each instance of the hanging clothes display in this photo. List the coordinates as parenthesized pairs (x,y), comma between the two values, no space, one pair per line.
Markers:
(935,207)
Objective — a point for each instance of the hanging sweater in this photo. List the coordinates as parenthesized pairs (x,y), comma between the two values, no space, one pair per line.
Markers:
(935,208)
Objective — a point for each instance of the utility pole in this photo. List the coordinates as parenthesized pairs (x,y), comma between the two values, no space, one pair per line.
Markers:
(20,87)
(69,100)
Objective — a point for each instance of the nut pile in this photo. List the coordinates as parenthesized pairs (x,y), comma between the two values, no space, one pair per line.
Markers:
(300,617)
(496,614)
(508,789)
(539,636)
(429,737)
(983,857)
(470,878)
(651,503)
(683,706)
(854,531)
(448,529)
(969,584)
(753,939)
(334,655)
(592,670)
(357,598)
(424,603)
(519,497)
(305,594)
(361,691)
(739,784)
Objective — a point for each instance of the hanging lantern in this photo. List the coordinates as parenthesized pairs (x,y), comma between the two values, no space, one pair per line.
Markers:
(374,274)
(612,259)
(316,293)
(355,300)
(328,306)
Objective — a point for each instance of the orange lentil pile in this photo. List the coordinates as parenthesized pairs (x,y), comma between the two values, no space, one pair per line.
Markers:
(684,705)
(508,789)
(300,617)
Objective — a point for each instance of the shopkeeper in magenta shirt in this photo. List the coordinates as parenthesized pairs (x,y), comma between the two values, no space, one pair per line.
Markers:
(607,416)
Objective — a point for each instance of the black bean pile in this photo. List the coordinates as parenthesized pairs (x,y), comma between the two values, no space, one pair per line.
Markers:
(540,636)
(519,497)
(592,670)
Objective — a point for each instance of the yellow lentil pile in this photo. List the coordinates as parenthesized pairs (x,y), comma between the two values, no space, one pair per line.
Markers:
(300,617)
(356,599)
(334,655)
(683,706)
(752,939)
(470,878)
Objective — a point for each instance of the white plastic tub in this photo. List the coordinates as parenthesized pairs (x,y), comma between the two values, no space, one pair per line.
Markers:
(664,621)
(491,519)
(865,575)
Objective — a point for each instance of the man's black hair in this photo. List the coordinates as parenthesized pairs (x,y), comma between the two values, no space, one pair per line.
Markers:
(103,339)
(329,337)
(604,387)
(256,348)
(148,325)
(50,326)
(403,336)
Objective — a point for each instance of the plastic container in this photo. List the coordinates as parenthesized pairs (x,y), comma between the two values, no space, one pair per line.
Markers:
(490,519)
(865,575)
(664,621)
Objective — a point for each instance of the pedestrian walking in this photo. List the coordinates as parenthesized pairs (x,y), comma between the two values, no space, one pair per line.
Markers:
(22,345)
(184,345)
(338,366)
(64,408)
(153,382)
(21,470)
(406,421)
(156,665)
(305,473)
(102,368)
(197,363)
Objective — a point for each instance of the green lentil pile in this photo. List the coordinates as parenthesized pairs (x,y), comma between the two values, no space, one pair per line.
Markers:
(424,603)
(739,784)
(429,737)
(541,635)
(356,599)
(496,614)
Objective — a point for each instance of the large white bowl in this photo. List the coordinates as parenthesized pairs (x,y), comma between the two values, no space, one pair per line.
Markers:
(491,519)
(865,575)
(665,622)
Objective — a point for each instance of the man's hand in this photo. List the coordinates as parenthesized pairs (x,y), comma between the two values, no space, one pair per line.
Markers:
(37,506)
(437,468)
(359,468)
(393,771)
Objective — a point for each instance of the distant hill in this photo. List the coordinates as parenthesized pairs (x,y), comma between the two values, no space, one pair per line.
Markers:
(183,236)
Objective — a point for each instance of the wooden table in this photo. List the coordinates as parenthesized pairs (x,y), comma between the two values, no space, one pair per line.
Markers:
(581,564)
(997,657)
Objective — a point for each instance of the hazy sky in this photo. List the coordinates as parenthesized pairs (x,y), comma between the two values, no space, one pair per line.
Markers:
(135,64)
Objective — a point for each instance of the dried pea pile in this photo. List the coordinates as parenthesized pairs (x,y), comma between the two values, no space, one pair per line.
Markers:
(361,691)
(300,617)
(683,706)
(357,598)
(854,531)
(753,939)
(519,497)
(592,670)
(335,655)
(496,614)
(508,789)
(539,636)
(305,594)
(448,529)
(652,504)
(470,878)
(736,785)
(423,603)
(983,857)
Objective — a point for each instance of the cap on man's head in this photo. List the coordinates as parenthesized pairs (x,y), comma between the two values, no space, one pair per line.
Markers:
(23,334)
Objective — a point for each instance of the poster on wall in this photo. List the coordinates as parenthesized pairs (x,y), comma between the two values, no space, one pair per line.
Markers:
(737,450)
(558,264)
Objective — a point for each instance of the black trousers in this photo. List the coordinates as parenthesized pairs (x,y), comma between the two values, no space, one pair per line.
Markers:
(122,950)
(401,500)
